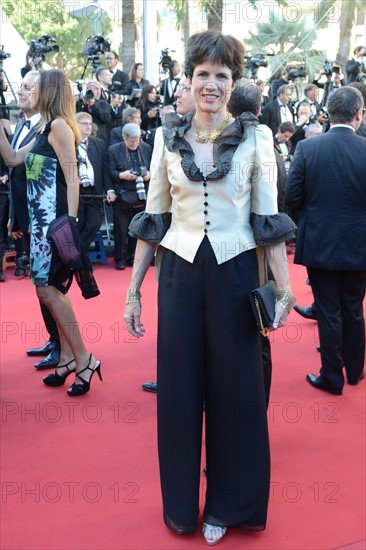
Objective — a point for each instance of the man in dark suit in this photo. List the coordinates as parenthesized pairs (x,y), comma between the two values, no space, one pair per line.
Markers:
(97,107)
(356,66)
(169,85)
(279,110)
(131,114)
(94,179)
(327,182)
(120,79)
(125,161)
(18,212)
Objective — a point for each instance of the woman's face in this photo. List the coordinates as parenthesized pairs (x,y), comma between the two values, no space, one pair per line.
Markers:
(211,87)
(140,71)
(34,94)
(152,96)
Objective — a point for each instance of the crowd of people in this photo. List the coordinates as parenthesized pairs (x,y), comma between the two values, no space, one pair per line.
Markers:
(169,167)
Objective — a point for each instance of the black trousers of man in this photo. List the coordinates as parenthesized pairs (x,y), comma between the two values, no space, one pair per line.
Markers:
(89,218)
(339,299)
(124,244)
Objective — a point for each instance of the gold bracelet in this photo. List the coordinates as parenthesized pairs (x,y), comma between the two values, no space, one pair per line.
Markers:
(286,299)
(133,296)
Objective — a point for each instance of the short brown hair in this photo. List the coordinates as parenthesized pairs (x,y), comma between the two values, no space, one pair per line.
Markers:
(217,48)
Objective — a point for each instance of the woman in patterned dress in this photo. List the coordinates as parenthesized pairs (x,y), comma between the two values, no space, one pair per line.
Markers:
(53,190)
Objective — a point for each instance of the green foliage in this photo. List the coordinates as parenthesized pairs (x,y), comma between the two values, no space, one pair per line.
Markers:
(288,41)
(32,19)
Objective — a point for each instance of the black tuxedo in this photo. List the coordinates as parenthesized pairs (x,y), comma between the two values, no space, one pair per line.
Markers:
(327,182)
(123,78)
(4,210)
(123,212)
(353,69)
(271,115)
(18,210)
(169,99)
(90,212)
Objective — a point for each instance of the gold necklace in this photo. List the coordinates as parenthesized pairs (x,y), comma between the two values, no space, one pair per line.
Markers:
(203,136)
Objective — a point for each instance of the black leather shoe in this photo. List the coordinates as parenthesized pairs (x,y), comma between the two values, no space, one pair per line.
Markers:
(319,383)
(120,265)
(44,350)
(318,348)
(150,386)
(2,277)
(20,272)
(306,312)
(51,361)
(354,383)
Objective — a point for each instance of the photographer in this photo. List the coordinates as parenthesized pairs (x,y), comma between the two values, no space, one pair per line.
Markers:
(94,179)
(279,110)
(356,66)
(130,114)
(136,82)
(169,85)
(149,107)
(285,79)
(4,112)
(129,164)
(110,94)
(119,78)
(98,108)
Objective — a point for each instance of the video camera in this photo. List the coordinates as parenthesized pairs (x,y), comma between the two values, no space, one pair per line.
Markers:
(297,73)
(93,47)
(38,49)
(256,60)
(166,61)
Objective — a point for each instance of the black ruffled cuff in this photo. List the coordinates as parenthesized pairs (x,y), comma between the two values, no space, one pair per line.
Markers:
(150,227)
(270,230)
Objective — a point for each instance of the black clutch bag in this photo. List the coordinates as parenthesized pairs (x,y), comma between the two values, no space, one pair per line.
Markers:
(263,300)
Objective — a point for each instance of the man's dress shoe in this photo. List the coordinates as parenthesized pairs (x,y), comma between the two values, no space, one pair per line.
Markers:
(51,361)
(44,350)
(354,383)
(306,312)
(319,383)
(120,265)
(150,386)
(2,277)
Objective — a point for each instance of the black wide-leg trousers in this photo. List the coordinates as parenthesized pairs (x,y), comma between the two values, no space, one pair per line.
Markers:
(209,352)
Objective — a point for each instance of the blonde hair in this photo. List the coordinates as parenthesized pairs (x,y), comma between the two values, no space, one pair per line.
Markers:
(56,100)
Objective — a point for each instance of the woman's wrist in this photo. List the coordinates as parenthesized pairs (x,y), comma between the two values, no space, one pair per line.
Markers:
(133,296)
(286,299)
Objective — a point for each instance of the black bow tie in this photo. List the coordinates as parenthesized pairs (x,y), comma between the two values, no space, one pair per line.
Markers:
(26,123)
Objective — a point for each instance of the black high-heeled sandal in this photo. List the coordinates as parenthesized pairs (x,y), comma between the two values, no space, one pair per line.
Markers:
(84,387)
(56,379)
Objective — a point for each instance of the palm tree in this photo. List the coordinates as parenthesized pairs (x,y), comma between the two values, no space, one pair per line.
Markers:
(213,9)
(128,34)
(346,16)
(287,42)
(181,10)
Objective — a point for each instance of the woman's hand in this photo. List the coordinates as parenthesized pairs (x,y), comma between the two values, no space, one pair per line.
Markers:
(132,316)
(152,113)
(281,315)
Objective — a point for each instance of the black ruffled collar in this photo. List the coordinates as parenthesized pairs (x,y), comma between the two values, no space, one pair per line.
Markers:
(223,150)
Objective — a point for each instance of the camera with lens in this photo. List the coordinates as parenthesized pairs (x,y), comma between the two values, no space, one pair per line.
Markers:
(38,48)
(297,73)
(140,172)
(329,68)
(3,55)
(83,172)
(313,119)
(323,112)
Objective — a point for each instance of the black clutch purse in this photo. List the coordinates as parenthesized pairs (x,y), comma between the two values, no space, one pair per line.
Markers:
(263,300)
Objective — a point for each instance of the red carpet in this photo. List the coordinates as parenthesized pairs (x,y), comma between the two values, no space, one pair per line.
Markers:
(82,473)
